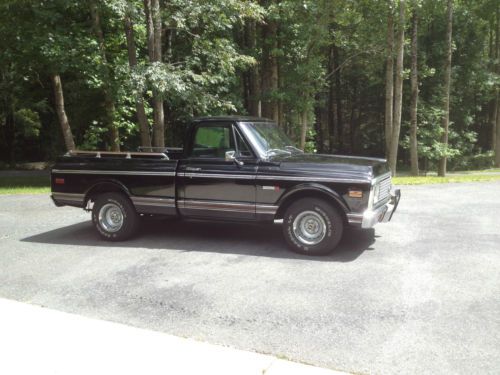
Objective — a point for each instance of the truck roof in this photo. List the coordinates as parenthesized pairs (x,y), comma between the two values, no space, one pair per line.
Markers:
(232,118)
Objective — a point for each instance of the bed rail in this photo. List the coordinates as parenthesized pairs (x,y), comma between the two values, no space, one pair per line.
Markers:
(124,154)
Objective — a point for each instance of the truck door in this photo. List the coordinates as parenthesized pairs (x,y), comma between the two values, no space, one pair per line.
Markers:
(217,179)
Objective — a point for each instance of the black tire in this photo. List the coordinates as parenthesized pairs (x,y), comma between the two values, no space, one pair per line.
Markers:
(322,222)
(120,205)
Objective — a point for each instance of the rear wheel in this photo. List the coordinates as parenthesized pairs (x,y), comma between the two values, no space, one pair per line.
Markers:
(114,217)
(312,226)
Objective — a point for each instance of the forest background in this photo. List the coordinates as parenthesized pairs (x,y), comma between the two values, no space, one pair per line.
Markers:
(414,81)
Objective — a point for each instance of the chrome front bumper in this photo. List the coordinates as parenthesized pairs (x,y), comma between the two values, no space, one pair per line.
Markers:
(381,214)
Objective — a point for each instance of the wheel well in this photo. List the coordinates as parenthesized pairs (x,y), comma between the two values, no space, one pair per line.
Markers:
(103,187)
(309,194)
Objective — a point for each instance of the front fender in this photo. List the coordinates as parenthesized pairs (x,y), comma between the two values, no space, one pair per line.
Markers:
(318,189)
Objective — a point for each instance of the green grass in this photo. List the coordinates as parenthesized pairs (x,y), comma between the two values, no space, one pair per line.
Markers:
(423,180)
(24,185)
(495,170)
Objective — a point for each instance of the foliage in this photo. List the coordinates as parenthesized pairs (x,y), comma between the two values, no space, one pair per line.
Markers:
(206,59)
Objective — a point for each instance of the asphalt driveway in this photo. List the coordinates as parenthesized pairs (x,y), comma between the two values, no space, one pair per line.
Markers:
(419,295)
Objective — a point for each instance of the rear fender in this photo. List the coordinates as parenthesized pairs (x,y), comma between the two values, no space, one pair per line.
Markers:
(105,186)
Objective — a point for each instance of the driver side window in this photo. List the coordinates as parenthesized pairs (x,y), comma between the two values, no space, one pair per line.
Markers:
(212,142)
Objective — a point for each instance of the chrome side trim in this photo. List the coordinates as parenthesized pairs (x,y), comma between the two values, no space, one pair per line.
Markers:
(213,175)
(68,197)
(216,206)
(263,209)
(312,178)
(153,201)
(103,172)
(274,178)
(218,175)
(266,209)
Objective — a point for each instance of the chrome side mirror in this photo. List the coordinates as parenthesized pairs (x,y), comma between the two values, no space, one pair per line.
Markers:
(231,156)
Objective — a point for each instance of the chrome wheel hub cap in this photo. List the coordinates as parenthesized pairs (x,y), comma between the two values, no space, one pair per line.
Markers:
(309,228)
(110,217)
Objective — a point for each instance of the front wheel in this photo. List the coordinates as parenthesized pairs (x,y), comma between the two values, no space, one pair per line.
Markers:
(114,217)
(312,226)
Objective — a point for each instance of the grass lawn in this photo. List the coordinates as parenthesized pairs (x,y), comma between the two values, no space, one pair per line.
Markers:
(24,185)
(423,180)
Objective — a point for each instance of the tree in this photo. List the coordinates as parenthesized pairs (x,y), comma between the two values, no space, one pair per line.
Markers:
(414,93)
(252,76)
(269,68)
(447,85)
(61,112)
(321,62)
(398,89)
(139,101)
(154,35)
(109,103)
(496,108)
(389,80)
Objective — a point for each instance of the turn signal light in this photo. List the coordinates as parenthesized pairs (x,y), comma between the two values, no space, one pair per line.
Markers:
(355,193)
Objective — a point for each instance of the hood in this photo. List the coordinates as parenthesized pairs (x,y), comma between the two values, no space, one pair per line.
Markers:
(334,165)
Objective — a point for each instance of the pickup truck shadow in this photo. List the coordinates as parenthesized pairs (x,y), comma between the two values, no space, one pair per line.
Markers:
(230,238)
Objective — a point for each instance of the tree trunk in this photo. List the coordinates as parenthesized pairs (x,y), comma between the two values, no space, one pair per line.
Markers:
(139,101)
(158,112)
(492,119)
(496,125)
(253,106)
(354,116)
(318,123)
(389,81)
(398,89)
(303,130)
(447,85)
(61,112)
(10,136)
(149,30)
(332,125)
(108,96)
(269,70)
(338,99)
(496,131)
(414,95)
(154,37)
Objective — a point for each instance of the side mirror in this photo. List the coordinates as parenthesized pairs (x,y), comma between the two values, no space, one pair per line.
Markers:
(231,156)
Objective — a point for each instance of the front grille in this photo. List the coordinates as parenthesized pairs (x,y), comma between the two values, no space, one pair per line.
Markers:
(385,189)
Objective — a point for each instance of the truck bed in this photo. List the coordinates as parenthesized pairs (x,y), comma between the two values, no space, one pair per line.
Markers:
(78,176)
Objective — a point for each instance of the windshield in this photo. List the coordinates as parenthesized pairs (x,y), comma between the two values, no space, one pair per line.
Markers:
(269,139)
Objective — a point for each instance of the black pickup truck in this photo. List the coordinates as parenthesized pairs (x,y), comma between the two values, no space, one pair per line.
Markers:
(231,168)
